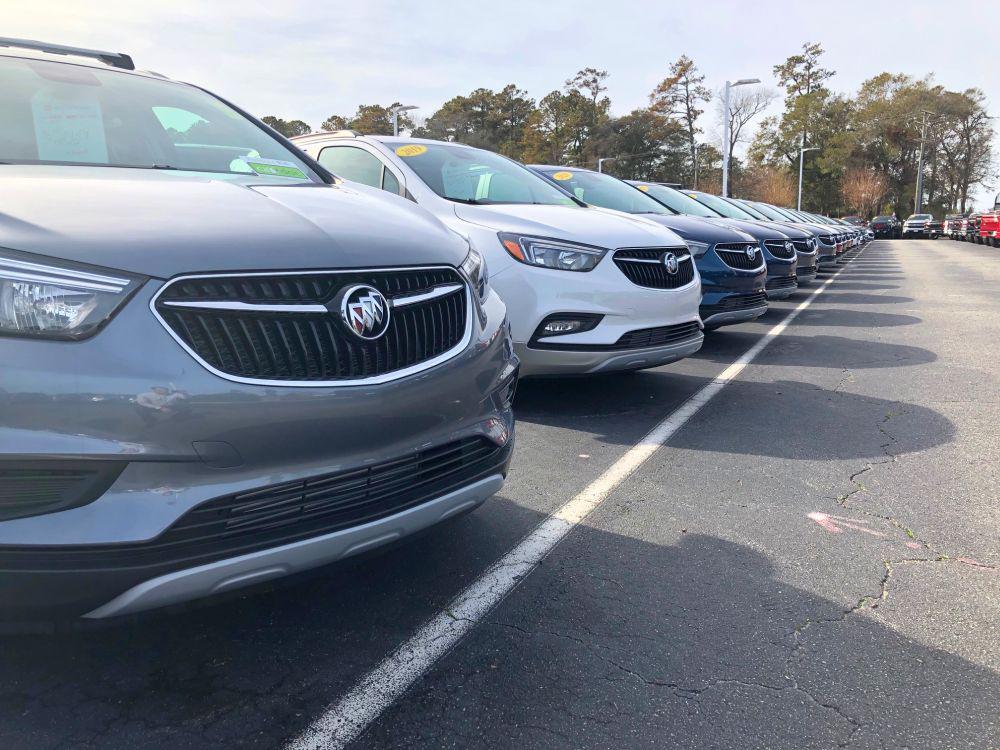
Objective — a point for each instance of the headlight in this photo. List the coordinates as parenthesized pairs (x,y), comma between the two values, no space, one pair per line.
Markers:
(474,266)
(563,256)
(45,299)
(698,249)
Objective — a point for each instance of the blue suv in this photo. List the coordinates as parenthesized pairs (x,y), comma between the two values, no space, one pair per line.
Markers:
(730,262)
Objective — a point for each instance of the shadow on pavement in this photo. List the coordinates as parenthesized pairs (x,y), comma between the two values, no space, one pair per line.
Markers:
(814,423)
(854,319)
(618,642)
(830,351)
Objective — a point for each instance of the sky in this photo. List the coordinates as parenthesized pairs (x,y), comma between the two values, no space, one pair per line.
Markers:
(308,59)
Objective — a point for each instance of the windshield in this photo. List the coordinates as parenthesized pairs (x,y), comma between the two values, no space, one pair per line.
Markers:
(770,212)
(725,208)
(750,209)
(677,201)
(921,216)
(605,191)
(57,113)
(882,218)
(471,175)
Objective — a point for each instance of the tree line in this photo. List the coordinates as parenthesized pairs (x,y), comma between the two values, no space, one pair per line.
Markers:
(867,142)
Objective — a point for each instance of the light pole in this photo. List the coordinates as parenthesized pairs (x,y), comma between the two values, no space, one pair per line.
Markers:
(696,147)
(802,151)
(395,115)
(725,130)
(600,162)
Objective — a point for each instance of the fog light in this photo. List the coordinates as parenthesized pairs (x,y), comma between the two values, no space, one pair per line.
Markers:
(562,326)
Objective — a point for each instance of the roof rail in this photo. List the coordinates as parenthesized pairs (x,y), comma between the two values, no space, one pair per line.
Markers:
(114,59)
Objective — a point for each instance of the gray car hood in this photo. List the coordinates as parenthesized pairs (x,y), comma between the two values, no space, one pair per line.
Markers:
(166,223)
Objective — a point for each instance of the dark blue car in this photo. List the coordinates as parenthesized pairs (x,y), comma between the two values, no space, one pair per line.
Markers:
(730,262)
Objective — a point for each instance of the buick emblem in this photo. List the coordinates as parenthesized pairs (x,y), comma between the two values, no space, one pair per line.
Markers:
(365,311)
(789,247)
(671,264)
(751,252)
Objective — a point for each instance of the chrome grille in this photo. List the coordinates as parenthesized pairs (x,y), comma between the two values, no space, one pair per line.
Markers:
(734,255)
(284,328)
(645,267)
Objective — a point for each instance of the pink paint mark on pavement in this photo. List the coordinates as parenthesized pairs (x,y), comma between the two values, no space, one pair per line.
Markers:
(837,524)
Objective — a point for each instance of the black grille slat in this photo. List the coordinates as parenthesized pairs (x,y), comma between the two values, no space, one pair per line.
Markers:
(308,346)
(735,302)
(654,275)
(778,250)
(782,282)
(285,512)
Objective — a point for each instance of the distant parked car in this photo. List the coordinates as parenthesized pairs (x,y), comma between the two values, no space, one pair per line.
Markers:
(951,225)
(885,227)
(918,226)
(587,290)
(972,226)
(989,228)
(782,261)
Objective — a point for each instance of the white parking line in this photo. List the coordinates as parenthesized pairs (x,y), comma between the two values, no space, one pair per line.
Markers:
(380,688)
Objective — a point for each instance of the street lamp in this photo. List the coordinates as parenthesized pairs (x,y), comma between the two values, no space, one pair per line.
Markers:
(395,115)
(802,151)
(725,130)
(696,147)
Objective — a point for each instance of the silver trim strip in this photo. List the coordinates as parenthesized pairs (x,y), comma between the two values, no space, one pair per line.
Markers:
(405,300)
(249,307)
(67,272)
(59,280)
(680,259)
(385,378)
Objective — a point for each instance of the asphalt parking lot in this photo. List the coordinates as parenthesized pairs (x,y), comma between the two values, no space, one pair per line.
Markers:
(811,561)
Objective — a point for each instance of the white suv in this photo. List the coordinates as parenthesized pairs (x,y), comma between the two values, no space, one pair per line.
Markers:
(587,289)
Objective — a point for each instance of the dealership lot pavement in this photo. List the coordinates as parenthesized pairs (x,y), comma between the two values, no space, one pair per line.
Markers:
(812,561)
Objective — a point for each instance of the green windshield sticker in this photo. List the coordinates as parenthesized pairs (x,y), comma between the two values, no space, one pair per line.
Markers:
(274,167)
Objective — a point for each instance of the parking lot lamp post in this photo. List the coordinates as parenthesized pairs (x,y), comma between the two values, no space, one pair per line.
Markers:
(395,115)
(600,162)
(725,130)
(802,151)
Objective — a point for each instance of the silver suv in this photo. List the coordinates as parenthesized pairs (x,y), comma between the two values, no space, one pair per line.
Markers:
(218,367)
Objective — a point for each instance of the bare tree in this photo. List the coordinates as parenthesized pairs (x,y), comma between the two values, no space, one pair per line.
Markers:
(863,190)
(745,103)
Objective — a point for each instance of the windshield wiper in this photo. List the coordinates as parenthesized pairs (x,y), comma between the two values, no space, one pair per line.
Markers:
(470,201)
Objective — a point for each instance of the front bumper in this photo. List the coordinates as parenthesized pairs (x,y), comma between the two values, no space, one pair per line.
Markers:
(206,438)
(533,294)
(730,295)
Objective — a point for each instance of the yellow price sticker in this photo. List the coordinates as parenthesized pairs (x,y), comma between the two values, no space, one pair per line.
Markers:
(413,149)
(644,188)
(562,176)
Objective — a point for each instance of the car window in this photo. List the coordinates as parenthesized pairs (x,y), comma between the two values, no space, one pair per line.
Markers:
(59,113)
(389,182)
(353,163)
(605,191)
(471,175)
